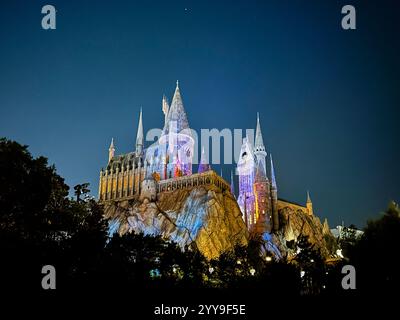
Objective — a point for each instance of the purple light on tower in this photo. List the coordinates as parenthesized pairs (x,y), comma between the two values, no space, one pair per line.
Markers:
(203,165)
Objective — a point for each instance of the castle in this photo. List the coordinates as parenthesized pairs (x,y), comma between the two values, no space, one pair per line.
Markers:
(167,164)
(258,193)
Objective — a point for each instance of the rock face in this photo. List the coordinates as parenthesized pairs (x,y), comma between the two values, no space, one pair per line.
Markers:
(203,216)
(295,223)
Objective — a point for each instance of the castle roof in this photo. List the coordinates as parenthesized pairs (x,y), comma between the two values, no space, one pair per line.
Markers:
(128,160)
(176,119)
(203,165)
(292,202)
(259,143)
(273,179)
(139,136)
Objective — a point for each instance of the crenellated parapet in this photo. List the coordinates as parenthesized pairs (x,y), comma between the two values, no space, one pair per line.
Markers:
(118,184)
(209,178)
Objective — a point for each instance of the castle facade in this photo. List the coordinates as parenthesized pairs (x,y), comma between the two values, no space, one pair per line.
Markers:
(167,165)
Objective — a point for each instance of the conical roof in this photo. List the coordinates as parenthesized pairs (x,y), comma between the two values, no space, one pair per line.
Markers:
(176,118)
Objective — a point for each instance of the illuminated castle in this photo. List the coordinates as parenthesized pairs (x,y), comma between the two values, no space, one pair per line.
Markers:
(258,194)
(166,166)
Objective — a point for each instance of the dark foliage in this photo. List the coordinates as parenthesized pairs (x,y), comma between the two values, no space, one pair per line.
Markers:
(375,254)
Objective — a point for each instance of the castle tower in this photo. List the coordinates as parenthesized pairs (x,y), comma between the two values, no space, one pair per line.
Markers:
(259,148)
(262,200)
(111,150)
(309,204)
(139,136)
(246,172)
(203,165)
(176,138)
(176,119)
(274,198)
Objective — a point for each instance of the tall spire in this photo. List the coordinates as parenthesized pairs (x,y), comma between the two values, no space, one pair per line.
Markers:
(176,117)
(259,148)
(308,196)
(309,204)
(203,165)
(274,198)
(273,180)
(259,143)
(165,107)
(111,150)
(139,136)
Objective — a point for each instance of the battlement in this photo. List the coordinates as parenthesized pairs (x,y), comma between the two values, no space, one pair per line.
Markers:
(125,185)
(194,180)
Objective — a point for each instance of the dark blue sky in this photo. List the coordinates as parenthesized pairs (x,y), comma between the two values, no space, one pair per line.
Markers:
(328,98)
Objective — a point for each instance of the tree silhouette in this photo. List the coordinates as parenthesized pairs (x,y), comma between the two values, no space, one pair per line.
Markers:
(39,225)
(311,265)
(374,255)
(81,189)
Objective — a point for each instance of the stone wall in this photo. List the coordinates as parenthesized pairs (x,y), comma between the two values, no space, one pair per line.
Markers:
(282,204)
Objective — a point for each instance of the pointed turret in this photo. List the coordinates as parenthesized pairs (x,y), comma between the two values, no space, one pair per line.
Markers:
(259,143)
(203,165)
(274,198)
(139,136)
(273,180)
(259,148)
(309,204)
(111,150)
(176,119)
(165,107)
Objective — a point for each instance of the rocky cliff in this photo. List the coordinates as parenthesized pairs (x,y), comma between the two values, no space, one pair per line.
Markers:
(295,223)
(203,216)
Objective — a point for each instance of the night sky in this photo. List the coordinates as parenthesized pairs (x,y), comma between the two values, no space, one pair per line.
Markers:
(328,98)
